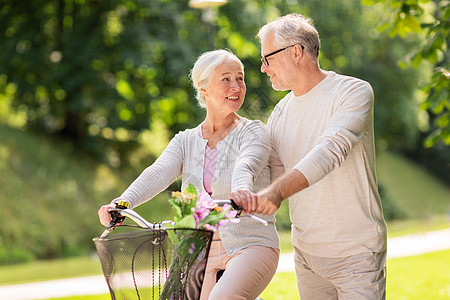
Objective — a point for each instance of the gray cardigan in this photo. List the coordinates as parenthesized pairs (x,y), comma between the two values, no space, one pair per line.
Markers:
(242,163)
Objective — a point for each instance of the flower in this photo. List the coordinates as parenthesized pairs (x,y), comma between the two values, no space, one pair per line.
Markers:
(200,211)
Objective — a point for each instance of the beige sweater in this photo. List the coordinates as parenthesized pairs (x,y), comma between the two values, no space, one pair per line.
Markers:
(327,134)
(242,163)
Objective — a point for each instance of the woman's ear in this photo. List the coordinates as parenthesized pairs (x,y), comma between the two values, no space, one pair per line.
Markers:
(203,91)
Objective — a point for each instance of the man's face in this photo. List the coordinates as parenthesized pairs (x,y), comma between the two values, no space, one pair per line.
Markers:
(279,64)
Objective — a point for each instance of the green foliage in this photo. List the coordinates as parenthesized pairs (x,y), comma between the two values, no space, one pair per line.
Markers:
(415,193)
(430,22)
(391,210)
(112,78)
(104,74)
(351,45)
(53,193)
(92,72)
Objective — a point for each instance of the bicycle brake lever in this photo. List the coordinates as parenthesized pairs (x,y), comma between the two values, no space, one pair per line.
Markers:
(116,216)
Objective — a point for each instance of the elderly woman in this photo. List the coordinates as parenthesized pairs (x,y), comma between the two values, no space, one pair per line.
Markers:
(222,155)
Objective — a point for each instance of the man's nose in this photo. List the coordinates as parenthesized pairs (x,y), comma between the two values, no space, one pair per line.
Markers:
(263,67)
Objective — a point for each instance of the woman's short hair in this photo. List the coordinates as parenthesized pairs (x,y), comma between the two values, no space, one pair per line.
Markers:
(293,29)
(203,68)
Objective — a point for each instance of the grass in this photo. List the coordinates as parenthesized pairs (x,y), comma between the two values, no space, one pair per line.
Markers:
(54,269)
(409,278)
(417,193)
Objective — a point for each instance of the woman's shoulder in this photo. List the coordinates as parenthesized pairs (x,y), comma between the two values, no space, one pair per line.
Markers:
(251,130)
(248,123)
(189,131)
(252,125)
(187,135)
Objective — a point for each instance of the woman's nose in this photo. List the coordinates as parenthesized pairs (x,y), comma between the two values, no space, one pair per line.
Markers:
(235,85)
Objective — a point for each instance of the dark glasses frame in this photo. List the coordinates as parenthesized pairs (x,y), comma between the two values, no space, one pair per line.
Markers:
(264,58)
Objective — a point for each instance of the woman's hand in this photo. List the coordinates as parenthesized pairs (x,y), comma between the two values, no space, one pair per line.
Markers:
(265,202)
(246,200)
(103,214)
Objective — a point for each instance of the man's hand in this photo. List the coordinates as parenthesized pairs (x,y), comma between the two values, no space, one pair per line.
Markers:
(268,200)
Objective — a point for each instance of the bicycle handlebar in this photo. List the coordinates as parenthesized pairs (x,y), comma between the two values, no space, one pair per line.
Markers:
(118,214)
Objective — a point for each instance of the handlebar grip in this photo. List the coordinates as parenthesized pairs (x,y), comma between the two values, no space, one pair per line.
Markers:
(116,217)
(230,202)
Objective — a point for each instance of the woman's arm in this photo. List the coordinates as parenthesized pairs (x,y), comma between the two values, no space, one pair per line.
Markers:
(252,156)
(153,180)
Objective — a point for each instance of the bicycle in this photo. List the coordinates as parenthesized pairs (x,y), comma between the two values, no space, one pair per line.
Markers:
(144,263)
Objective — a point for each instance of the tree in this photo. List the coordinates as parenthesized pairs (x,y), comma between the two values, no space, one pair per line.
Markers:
(100,73)
(430,21)
(115,75)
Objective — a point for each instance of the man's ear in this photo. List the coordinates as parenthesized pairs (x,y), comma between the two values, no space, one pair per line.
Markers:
(298,52)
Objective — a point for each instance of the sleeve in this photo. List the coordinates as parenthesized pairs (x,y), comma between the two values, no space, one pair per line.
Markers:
(276,165)
(157,177)
(252,157)
(347,127)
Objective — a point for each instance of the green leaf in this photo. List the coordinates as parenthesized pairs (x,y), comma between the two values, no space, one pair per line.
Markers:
(176,209)
(191,189)
(171,233)
(186,222)
(367,2)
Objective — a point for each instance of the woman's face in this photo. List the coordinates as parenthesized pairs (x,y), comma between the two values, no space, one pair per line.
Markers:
(226,90)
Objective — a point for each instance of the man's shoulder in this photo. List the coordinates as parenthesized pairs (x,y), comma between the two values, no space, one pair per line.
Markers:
(280,106)
(350,81)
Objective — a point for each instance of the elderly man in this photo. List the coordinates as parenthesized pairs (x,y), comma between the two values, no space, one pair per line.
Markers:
(323,160)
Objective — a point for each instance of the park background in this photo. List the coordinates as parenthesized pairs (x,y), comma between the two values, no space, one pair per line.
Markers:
(92,91)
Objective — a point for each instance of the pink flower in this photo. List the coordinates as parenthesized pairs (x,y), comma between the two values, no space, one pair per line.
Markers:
(231,214)
(200,214)
(205,200)
(210,227)
(222,223)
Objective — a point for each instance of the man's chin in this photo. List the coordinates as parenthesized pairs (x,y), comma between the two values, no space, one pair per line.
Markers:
(278,88)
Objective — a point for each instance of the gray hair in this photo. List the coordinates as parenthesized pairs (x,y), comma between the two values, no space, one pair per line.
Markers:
(203,68)
(293,29)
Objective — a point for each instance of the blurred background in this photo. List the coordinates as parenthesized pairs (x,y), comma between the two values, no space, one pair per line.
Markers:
(91,92)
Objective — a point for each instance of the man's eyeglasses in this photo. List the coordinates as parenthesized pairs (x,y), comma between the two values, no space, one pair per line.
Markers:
(264,58)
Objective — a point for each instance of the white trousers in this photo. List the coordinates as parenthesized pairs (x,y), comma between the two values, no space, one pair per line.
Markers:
(247,273)
(361,276)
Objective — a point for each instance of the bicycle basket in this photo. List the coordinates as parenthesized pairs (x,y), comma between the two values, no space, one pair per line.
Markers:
(155,264)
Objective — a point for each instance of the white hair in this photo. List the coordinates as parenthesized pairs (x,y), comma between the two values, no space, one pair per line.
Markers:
(293,29)
(203,68)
